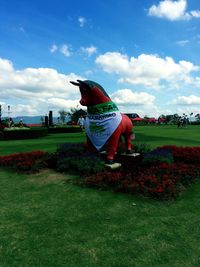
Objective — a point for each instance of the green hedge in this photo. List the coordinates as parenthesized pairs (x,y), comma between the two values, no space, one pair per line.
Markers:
(66,129)
(195,123)
(22,133)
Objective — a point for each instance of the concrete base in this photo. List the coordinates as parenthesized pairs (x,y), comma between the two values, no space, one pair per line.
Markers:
(103,152)
(124,154)
(131,155)
(113,166)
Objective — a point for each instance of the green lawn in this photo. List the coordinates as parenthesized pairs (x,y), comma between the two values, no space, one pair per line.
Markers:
(152,135)
(48,143)
(170,135)
(46,221)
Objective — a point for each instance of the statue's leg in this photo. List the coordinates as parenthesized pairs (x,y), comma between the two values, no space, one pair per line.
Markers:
(113,144)
(129,136)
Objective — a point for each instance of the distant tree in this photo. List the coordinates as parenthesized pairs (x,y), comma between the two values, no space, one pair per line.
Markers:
(171,118)
(197,116)
(175,118)
(63,113)
(76,114)
(162,116)
(161,119)
(146,118)
(42,119)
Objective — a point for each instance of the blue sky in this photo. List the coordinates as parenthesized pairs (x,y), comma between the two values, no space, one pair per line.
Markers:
(144,53)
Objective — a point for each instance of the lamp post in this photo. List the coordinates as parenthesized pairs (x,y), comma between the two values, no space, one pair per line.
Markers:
(9,111)
(191,116)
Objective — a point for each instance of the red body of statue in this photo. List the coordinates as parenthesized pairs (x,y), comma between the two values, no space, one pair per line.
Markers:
(93,94)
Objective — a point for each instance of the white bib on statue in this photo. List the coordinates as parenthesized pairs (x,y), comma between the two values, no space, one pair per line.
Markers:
(101,122)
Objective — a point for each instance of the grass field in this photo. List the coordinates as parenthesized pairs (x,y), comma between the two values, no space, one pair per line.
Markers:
(47,221)
(152,135)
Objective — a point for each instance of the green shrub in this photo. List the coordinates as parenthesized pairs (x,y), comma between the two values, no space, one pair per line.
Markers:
(64,129)
(141,148)
(23,133)
(195,122)
(73,158)
(158,155)
(16,129)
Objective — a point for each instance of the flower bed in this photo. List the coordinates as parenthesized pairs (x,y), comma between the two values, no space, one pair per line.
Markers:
(185,154)
(163,181)
(28,161)
(162,173)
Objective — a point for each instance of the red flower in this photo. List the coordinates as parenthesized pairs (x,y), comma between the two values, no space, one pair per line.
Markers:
(22,161)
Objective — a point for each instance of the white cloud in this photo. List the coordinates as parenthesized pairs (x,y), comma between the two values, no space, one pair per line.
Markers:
(188,110)
(53,48)
(6,65)
(173,10)
(82,21)
(35,88)
(128,97)
(35,91)
(195,13)
(65,50)
(25,109)
(62,103)
(187,100)
(183,42)
(141,103)
(146,70)
(89,50)
(197,81)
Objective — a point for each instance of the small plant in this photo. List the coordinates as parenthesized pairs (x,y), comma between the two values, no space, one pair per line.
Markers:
(158,155)
(137,148)
(141,148)
(73,158)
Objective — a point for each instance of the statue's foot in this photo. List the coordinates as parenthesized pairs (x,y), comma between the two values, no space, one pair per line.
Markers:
(129,152)
(111,165)
(109,161)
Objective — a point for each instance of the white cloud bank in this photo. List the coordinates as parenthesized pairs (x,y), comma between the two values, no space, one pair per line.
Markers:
(128,97)
(147,70)
(173,10)
(36,90)
(187,100)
